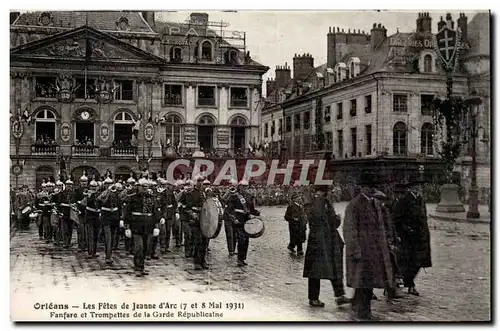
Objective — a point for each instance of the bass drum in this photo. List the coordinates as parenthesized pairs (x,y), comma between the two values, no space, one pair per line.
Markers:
(211,218)
(254,227)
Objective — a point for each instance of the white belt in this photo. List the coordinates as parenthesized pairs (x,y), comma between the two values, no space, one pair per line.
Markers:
(170,206)
(141,214)
(195,208)
(109,209)
(93,209)
(240,211)
(65,205)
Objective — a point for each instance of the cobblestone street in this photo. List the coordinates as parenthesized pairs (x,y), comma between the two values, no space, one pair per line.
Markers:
(456,288)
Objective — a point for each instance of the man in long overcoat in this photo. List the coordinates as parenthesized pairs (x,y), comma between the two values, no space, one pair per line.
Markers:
(410,219)
(368,263)
(324,253)
(297,222)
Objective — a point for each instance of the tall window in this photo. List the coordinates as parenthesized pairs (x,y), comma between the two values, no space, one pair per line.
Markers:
(427,63)
(328,140)
(296,120)
(327,114)
(273,128)
(352,111)
(173,129)
(426,104)
(399,139)
(45,127)
(354,142)
(266,130)
(368,104)
(340,142)
(124,90)
(352,69)
(340,111)
(91,88)
(307,120)
(206,50)
(239,97)
(206,96)
(175,54)
(368,137)
(280,127)
(400,103)
(45,87)
(426,139)
(123,129)
(288,124)
(173,95)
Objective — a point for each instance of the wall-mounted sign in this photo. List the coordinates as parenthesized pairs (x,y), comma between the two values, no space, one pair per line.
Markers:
(423,43)
(17,169)
(149,132)
(65,96)
(202,31)
(104,132)
(17,129)
(65,132)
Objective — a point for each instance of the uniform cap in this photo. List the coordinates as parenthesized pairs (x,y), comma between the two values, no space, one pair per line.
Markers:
(94,183)
(84,178)
(108,181)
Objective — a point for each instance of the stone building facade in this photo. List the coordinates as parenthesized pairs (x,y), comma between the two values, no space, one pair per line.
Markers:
(370,104)
(118,91)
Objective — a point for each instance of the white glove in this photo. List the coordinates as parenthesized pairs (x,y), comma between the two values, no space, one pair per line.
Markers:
(162,221)
(156,232)
(128,233)
(122,224)
(177,216)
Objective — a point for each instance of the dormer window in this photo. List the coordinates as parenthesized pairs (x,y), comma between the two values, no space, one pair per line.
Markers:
(352,69)
(206,51)
(232,57)
(427,62)
(45,18)
(175,54)
(122,23)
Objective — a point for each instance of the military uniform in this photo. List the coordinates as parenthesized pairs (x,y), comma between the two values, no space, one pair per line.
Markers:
(110,206)
(92,219)
(141,213)
(168,205)
(80,201)
(45,205)
(297,220)
(64,206)
(23,199)
(184,214)
(194,203)
(231,236)
(241,206)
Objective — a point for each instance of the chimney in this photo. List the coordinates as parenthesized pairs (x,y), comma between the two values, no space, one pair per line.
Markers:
(149,17)
(426,23)
(441,24)
(378,34)
(419,23)
(199,19)
(302,66)
(270,86)
(13,16)
(330,48)
(449,21)
(462,24)
(283,75)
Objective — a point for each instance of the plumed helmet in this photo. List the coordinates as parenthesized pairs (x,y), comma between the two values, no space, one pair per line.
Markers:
(84,179)
(108,181)
(206,182)
(243,182)
(131,180)
(69,181)
(94,184)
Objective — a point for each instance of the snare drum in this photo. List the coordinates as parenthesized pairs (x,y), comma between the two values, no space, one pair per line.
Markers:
(254,227)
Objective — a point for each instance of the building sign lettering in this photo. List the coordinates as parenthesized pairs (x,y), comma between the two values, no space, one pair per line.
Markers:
(176,31)
(425,43)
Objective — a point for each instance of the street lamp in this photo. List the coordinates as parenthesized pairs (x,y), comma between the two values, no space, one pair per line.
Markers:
(473,101)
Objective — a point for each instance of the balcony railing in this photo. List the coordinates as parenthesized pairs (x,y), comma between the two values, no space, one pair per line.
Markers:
(206,101)
(84,150)
(40,149)
(173,99)
(124,150)
(237,102)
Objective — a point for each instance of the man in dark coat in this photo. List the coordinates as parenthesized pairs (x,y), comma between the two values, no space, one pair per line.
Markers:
(410,219)
(297,220)
(368,263)
(324,253)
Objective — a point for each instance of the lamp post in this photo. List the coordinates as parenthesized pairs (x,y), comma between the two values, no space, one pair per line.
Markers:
(473,101)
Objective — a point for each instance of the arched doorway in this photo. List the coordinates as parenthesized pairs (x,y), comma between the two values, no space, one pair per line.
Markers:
(92,172)
(43,172)
(238,135)
(206,126)
(122,172)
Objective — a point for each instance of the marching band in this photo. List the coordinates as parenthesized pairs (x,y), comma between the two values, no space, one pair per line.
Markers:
(144,213)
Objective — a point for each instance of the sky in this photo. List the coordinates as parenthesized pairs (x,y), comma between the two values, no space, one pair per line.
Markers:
(273,37)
